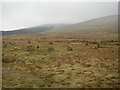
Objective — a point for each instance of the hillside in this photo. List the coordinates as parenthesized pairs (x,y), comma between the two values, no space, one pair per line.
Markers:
(33,30)
(54,59)
(98,27)
(95,27)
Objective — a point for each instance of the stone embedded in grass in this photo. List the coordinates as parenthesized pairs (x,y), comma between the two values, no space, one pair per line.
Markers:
(29,42)
(94,47)
(69,42)
(98,45)
(16,48)
(38,47)
(5,45)
(69,47)
(50,43)
(30,48)
(3,42)
(12,43)
(86,43)
(51,48)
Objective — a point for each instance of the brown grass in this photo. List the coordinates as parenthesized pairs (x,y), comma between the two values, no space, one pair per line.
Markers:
(81,68)
(8,58)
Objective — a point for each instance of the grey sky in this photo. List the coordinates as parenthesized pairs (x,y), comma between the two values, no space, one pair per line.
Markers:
(21,15)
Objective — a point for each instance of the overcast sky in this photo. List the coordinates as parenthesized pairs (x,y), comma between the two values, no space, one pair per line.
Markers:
(22,15)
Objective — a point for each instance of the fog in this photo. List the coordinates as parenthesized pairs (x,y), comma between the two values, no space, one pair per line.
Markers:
(27,14)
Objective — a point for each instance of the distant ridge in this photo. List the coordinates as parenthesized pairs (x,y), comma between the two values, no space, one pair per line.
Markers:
(33,30)
(96,27)
(102,27)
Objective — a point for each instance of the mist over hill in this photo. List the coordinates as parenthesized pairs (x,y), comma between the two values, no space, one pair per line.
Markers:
(33,30)
(27,30)
(98,26)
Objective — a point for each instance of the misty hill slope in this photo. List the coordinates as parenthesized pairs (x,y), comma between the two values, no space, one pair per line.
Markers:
(99,27)
(27,30)
(33,30)
(95,27)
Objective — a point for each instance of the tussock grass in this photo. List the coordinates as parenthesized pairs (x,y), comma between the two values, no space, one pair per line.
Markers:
(83,67)
(8,59)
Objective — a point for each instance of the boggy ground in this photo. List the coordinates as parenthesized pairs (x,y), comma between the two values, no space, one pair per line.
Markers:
(81,68)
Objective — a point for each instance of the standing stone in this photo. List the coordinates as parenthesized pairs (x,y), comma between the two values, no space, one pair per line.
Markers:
(86,43)
(29,42)
(37,46)
(51,47)
(69,47)
(98,45)
(30,48)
